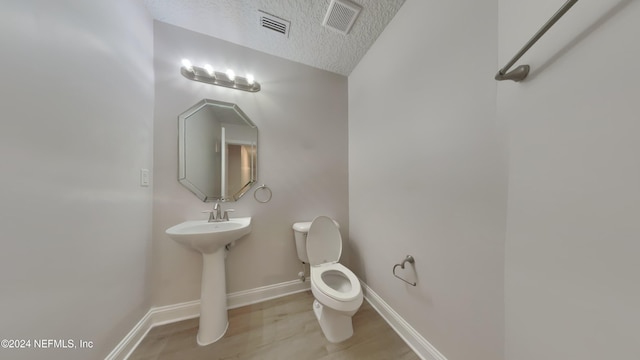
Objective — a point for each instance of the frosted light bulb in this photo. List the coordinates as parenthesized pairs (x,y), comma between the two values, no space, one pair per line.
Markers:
(187,64)
(250,79)
(209,69)
(231,75)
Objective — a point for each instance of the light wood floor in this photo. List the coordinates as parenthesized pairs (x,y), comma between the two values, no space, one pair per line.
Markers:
(283,328)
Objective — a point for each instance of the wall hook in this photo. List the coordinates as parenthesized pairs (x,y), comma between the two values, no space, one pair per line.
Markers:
(409,259)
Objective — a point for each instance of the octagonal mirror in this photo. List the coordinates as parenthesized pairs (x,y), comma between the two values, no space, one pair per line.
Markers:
(217,151)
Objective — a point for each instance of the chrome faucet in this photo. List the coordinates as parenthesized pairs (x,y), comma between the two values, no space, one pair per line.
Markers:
(216,215)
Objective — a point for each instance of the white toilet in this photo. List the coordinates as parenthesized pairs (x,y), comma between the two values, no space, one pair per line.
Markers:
(336,289)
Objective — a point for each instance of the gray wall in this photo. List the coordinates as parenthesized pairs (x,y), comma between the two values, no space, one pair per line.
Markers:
(574,196)
(75,226)
(568,136)
(427,173)
(301,114)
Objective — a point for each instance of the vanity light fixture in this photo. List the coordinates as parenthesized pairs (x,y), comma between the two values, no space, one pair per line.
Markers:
(208,75)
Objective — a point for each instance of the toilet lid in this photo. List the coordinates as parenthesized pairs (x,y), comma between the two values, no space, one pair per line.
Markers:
(324,243)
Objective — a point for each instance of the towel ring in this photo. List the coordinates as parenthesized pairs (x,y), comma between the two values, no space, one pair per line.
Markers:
(409,259)
(262,187)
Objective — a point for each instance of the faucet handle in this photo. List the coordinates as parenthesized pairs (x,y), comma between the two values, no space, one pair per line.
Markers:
(226,214)
(212,214)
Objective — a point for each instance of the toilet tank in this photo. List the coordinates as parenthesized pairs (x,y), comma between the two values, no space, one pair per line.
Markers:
(300,231)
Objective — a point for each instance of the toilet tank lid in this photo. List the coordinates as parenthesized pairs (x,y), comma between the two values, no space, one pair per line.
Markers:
(305,225)
(302,226)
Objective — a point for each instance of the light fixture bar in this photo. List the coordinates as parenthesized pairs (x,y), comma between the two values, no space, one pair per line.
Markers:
(228,79)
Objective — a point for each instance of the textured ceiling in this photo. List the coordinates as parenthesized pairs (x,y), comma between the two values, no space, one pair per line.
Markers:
(309,42)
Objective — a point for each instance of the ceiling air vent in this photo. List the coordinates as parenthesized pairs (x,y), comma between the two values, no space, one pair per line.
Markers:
(274,23)
(341,15)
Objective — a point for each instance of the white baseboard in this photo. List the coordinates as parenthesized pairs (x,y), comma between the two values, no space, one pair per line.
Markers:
(177,312)
(132,339)
(416,342)
(264,293)
(188,310)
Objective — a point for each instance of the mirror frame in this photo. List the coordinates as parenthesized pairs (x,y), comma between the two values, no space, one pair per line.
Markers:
(182,171)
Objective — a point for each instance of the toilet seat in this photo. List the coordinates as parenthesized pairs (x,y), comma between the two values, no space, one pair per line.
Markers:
(328,276)
(348,277)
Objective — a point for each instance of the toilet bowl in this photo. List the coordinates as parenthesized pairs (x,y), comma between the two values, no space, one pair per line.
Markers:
(336,289)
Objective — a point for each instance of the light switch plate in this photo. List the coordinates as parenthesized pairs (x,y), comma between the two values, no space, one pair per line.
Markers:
(144,177)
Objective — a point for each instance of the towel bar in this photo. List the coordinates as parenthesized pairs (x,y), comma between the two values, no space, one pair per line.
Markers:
(521,72)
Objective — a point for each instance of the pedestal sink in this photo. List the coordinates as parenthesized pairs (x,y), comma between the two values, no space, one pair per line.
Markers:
(210,239)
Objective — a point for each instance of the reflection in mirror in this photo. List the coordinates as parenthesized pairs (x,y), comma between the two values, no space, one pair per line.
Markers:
(217,151)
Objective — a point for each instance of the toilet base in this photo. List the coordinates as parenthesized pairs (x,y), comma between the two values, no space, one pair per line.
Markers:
(336,326)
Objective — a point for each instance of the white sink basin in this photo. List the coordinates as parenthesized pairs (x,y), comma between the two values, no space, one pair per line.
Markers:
(210,238)
(207,237)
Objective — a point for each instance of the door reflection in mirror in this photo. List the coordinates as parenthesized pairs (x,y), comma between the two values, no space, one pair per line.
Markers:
(217,151)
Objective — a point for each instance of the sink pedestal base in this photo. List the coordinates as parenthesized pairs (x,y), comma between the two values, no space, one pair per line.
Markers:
(213,299)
